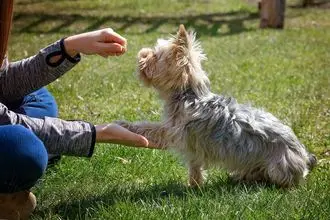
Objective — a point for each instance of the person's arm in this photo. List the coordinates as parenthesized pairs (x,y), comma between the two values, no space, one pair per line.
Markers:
(75,138)
(23,77)
(59,136)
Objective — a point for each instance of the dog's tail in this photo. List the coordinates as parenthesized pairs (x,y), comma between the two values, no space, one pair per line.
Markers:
(312,161)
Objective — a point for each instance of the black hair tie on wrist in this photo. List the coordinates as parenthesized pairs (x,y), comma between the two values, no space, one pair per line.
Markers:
(74,59)
(63,55)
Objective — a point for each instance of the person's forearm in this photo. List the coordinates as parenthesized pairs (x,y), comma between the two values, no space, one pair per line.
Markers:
(21,78)
(75,138)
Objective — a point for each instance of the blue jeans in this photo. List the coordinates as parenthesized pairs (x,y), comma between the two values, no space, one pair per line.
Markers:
(23,156)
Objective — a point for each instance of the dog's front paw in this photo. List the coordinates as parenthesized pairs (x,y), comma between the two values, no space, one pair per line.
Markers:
(192,183)
(196,178)
(124,124)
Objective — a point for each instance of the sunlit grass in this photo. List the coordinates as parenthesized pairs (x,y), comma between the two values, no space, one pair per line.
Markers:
(286,72)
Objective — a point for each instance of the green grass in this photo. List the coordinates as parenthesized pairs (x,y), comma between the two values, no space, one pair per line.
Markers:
(285,72)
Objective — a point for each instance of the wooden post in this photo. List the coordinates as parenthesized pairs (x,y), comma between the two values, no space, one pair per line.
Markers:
(272,13)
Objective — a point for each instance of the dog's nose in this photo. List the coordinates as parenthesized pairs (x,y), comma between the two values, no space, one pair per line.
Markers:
(145,52)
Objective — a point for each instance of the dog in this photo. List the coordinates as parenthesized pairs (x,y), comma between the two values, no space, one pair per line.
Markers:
(207,129)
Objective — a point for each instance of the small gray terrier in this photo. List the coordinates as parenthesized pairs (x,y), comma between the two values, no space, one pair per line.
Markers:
(212,130)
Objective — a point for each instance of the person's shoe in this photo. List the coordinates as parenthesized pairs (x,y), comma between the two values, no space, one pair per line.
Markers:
(53,159)
(16,206)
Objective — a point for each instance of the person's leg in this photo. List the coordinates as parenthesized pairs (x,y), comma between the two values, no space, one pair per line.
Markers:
(23,160)
(38,104)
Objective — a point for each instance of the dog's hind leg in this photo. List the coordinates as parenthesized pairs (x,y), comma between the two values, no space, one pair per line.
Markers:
(289,171)
(254,175)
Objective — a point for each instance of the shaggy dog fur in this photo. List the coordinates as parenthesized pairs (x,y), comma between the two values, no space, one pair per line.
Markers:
(212,130)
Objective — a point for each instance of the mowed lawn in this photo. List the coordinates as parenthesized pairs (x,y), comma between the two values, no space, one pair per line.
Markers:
(286,72)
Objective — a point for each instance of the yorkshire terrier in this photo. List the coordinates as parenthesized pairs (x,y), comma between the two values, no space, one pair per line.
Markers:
(212,130)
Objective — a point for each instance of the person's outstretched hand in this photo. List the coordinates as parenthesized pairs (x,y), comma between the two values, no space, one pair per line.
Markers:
(103,42)
(113,133)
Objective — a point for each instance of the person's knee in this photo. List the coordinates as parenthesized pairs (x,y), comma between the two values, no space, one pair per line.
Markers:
(30,151)
(23,156)
(49,102)
(39,104)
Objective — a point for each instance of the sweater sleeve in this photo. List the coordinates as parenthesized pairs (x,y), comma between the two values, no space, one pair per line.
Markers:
(75,138)
(25,76)
(20,78)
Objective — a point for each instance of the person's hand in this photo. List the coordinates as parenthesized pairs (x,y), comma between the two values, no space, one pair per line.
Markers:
(113,133)
(103,42)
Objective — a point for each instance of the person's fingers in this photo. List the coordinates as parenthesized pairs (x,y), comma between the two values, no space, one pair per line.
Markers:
(109,36)
(103,55)
(119,54)
(109,48)
(153,145)
(114,133)
(114,37)
(141,141)
(137,140)
(123,136)
(106,55)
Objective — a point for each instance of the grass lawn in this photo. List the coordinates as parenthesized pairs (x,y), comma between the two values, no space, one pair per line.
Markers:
(286,72)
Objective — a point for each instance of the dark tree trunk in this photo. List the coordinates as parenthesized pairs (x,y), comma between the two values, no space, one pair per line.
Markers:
(307,2)
(272,13)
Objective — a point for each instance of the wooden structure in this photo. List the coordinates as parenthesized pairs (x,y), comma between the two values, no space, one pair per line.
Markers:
(272,13)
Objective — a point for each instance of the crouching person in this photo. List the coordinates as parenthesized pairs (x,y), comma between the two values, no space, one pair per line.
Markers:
(29,129)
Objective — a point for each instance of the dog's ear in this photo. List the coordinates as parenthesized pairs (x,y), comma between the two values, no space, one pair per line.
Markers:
(182,37)
(181,44)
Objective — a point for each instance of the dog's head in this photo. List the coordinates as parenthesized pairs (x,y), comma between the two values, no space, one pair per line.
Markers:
(174,64)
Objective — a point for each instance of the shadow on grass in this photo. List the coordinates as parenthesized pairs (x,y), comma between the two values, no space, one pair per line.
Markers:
(206,24)
(149,195)
(323,4)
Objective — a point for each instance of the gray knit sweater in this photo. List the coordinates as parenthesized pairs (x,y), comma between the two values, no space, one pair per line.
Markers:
(20,78)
